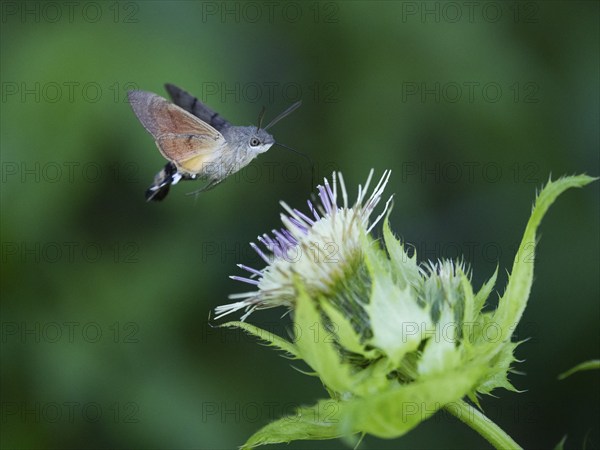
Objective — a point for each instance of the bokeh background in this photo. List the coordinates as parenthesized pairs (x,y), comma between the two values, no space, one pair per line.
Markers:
(105,298)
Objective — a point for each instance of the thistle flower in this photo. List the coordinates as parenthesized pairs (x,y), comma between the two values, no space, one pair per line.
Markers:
(392,340)
(317,247)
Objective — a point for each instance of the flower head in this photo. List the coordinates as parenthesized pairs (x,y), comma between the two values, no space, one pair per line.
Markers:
(318,247)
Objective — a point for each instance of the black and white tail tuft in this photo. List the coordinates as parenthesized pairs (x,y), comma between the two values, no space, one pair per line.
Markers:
(162,182)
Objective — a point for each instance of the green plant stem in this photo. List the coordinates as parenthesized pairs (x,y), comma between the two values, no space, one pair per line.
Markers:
(480,423)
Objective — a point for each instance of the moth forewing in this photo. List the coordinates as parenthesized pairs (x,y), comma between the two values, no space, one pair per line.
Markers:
(159,116)
(182,138)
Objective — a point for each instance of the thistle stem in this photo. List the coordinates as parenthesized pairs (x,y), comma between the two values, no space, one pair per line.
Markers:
(482,425)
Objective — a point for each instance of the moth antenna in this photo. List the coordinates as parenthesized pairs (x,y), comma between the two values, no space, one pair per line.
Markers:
(284,114)
(261,116)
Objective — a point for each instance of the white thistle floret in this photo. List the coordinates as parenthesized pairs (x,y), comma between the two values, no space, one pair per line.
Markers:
(316,247)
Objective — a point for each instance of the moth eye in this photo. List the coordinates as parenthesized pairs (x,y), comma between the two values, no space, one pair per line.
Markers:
(254,142)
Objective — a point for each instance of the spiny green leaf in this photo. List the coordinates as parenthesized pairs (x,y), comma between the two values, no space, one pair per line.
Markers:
(315,345)
(473,397)
(441,352)
(396,411)
(396,318)
(317,422)
(470,311)
(346,335)
(406,269)
(373,377)
(587,365)
(485,331)
(513,302)
(498,369)
(485,292)
(561,444)
(264,335)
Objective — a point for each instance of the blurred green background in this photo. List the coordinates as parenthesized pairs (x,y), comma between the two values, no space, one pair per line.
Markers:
(105,298)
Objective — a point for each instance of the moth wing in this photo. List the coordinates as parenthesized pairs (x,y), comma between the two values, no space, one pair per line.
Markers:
(159,116)
(181,137)
(191,153)
(194,106)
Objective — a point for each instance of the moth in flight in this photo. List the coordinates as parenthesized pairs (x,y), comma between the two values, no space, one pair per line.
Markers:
(196,141)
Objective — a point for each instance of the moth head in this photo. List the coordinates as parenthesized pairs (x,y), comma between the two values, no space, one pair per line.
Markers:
(260,141)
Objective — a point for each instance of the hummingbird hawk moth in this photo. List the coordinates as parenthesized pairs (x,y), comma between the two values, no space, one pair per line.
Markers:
(196,141)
